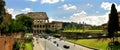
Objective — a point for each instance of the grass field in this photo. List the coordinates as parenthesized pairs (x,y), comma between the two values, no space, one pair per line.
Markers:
(95,43)
(92,43)
(57,34)
(28,46)
(92,31)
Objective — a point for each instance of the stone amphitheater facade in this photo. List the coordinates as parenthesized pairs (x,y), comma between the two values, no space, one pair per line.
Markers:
(41,22)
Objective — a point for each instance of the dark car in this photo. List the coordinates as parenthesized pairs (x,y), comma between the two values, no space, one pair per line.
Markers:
(54,42)
(66,46)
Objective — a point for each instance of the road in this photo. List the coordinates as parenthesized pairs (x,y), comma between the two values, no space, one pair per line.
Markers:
(50,45)
(47,44)
(71,45)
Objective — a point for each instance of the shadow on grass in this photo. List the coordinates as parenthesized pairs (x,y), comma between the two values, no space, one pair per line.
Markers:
(113,45)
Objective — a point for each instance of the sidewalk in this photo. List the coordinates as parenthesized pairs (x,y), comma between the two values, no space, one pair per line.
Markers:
(37,45)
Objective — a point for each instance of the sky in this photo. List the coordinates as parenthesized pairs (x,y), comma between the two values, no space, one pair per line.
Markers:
(94,12)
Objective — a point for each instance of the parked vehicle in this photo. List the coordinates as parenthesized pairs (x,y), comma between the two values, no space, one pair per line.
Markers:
(54,42)
(66,46)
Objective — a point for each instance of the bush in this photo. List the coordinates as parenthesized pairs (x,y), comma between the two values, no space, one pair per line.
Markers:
(116,43)
(57,35)
(29,39)
(16,45)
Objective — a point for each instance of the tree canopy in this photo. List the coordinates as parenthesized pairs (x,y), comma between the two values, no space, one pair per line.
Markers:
(27,22)
(2,10)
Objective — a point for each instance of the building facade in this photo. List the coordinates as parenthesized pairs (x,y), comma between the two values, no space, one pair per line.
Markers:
(55,25)
(41,22)
(119,17)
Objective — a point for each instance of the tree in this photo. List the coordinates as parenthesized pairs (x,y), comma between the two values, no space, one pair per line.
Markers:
(113,23)
(16,26)
(5,24)
(16,45)
(49,31)
(2,12)
(12,26)
(27,22)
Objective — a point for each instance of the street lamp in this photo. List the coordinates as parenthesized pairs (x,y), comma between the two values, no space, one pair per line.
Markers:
(83,26)
(45,36)
(45,44)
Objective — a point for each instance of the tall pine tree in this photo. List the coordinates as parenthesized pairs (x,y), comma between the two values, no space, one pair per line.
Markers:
(113,22)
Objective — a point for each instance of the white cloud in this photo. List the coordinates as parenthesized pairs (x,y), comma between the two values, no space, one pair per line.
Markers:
(64,17)
(62,20)
(118,8)
(65,20)
(69,7)
(93,20)
(78,16)
(27,10)
(62,0)
(15,12)
(97,11)
(107,6)
(51,19)
(89,5)
(10,10)
(33,0)
(51,1)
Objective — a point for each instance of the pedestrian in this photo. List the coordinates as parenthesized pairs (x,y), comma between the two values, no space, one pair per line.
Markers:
(57,45)
(33,45)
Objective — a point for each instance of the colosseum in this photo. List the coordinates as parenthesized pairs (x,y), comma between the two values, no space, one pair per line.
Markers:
(41,22)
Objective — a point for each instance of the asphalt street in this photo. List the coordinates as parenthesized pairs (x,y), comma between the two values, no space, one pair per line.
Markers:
(58,45)
(48,45)
(61,43)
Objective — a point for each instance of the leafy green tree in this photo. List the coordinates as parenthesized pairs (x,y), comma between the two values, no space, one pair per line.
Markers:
(48,31)
(16,26)
(2,12)
(5,28)
(12,27)
(113,23)
(27,22)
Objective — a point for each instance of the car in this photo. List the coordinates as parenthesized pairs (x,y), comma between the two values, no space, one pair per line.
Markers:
(57,45)
(66,46)
(54,42)
(41,37)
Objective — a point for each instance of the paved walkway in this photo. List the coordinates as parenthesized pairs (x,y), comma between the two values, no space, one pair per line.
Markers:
(37,45)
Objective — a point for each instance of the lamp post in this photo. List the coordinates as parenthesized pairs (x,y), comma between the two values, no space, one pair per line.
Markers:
(83,26)
(45,36)
(45,44)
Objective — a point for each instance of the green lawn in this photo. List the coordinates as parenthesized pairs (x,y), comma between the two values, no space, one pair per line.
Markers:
(94,43)
(92,31)
(28,46)
(29,34)
(57,34)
